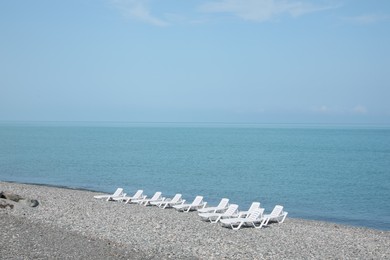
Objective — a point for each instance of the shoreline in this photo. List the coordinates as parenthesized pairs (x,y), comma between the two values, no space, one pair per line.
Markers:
(102,192)
(149,232)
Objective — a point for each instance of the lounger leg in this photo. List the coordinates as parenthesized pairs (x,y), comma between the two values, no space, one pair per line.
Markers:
(260,225)
(238,227)
(284,217)
(265,221)
(215,221)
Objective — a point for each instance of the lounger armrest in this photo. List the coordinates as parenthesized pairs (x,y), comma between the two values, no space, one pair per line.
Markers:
(204,205)
(183,202)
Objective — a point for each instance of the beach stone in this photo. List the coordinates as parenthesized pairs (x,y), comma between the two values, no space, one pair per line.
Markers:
(10,196)
(15,197)
(29,202)
(4,204)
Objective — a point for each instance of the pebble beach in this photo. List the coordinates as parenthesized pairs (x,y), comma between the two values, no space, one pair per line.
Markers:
(71,224)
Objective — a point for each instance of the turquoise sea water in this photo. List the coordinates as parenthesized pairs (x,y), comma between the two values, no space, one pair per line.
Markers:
(333,173)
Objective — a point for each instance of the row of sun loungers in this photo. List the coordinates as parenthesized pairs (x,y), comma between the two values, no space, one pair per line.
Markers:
(227,214)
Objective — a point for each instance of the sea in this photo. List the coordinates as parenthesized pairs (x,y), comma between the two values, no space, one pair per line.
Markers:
(333,173)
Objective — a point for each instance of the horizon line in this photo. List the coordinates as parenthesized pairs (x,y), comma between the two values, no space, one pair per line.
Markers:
(196,122)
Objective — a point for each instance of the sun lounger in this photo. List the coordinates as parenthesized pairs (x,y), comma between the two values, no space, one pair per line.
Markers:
(252,219)
(253,207)
(167,203)
(277,214)
(117,193)
(137,196)
(215,217)
(196,204)
(222,206)
(145,201)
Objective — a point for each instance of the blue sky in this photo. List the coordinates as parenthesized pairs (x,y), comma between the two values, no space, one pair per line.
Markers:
(244,61)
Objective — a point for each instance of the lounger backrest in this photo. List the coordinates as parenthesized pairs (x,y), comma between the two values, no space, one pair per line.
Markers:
(276,211)
(261,211)
(156,196)
(223,203)
(118,192)
(231,210)
(254,206)
(256,214)
(138,194)
(197,200)
(176,198)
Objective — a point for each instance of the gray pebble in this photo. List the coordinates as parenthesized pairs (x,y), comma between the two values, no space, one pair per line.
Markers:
(72,224)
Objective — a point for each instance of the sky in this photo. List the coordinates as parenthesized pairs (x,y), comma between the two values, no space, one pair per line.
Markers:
(233,61)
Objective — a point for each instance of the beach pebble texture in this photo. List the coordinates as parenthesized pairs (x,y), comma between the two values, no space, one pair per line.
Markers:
(71,224)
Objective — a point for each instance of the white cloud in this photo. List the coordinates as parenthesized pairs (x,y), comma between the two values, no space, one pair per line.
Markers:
(262,10)
(322,109)
(138,10)
(367,19)
(253,10)
(361,110)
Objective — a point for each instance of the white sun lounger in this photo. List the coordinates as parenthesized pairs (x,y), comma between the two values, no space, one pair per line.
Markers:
(196,204)
(277,214)
(253,207)
(215,217)
(117,193)
(251,219)
(167,203)
(137,196)
(222,206)
(145,201)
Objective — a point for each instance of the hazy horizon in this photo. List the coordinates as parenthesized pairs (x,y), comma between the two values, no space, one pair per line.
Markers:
(192,124)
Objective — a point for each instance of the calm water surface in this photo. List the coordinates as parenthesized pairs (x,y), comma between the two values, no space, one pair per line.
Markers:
(333,173)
